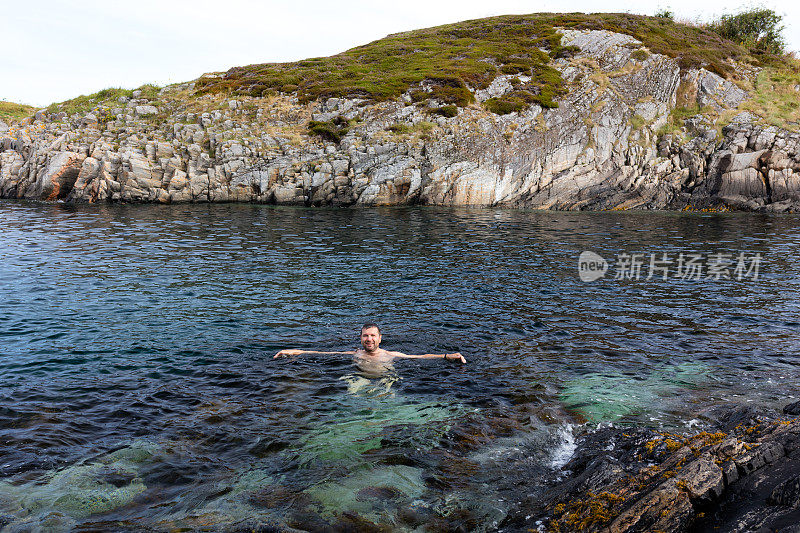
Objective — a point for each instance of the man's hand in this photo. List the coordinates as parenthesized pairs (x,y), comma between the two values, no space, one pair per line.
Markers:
(455,357)
(286,353)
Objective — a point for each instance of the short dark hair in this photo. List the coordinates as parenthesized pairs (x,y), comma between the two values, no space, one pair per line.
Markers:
(368,325)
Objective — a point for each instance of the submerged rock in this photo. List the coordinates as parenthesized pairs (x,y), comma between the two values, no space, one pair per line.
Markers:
(609,396)
(78,491)
(368,491)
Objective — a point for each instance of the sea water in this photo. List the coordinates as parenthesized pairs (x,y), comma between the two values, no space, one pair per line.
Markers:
(139,389)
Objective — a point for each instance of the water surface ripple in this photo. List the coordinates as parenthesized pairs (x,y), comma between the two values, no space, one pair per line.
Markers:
(138,385)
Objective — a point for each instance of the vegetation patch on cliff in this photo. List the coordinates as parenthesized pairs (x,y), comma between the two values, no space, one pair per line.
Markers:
(420,130)
(9,111)
(332,130)
(774,99)
(776,95)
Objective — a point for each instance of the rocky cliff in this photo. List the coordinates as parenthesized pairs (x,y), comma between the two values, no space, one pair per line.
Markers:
(614,141)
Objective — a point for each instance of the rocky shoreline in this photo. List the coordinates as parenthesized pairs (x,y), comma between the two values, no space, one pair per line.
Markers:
(744,475)
(602,148)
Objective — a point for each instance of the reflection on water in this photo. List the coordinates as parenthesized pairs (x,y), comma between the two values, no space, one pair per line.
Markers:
(139,389)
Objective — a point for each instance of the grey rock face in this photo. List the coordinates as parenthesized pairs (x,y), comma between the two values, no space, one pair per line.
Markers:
(52,181)
(146,110)
(598,150)
(714,91)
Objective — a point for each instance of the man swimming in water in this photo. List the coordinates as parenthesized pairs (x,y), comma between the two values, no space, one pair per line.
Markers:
(371,354)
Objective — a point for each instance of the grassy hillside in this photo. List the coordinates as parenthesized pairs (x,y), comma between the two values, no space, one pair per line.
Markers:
(440,63)
(84,103)
(473,53)
(11,112)
(775,94)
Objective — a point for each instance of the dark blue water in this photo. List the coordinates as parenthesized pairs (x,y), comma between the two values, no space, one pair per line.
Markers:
(137,385)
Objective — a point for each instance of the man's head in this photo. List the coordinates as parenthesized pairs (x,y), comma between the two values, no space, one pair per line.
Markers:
(370,337)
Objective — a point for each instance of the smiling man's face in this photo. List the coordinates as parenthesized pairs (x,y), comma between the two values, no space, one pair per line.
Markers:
(370,339)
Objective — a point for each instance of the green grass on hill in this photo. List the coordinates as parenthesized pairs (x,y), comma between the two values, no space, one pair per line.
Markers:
(775,95)
(83,103)
(449,58)
(443,63)
(10,111)
(109,96)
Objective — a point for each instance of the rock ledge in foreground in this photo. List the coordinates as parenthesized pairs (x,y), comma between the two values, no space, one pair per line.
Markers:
(743,477)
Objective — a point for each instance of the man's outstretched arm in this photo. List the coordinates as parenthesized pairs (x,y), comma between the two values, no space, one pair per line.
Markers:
(294,351)
(452,356)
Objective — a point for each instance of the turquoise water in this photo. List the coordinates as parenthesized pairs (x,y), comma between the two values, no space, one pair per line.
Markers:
(139,389)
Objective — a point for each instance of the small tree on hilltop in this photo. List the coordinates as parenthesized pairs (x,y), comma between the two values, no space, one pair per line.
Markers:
(665,14)
(757,29)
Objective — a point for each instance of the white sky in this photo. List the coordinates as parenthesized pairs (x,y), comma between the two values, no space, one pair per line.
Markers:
(55,50)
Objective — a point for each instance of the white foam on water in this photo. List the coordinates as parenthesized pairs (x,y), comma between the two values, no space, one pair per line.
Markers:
(566,447)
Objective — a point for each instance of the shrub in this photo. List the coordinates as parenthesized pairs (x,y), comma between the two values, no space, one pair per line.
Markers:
(505,105)
(459,96)
(112,92)
(332,130)
(419,96)
(759,30)
(399,128)
(546,99)
(514,68)
(665,14)
(149,91)
(566,52)
(448,111)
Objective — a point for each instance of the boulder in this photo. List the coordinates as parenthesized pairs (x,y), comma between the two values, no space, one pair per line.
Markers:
(665,509)
(58,177)
(88,173)
(747,183)
(146,110)
(702,479)
(792,408)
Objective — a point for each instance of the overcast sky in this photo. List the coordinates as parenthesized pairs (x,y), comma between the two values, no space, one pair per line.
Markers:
(56,50)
